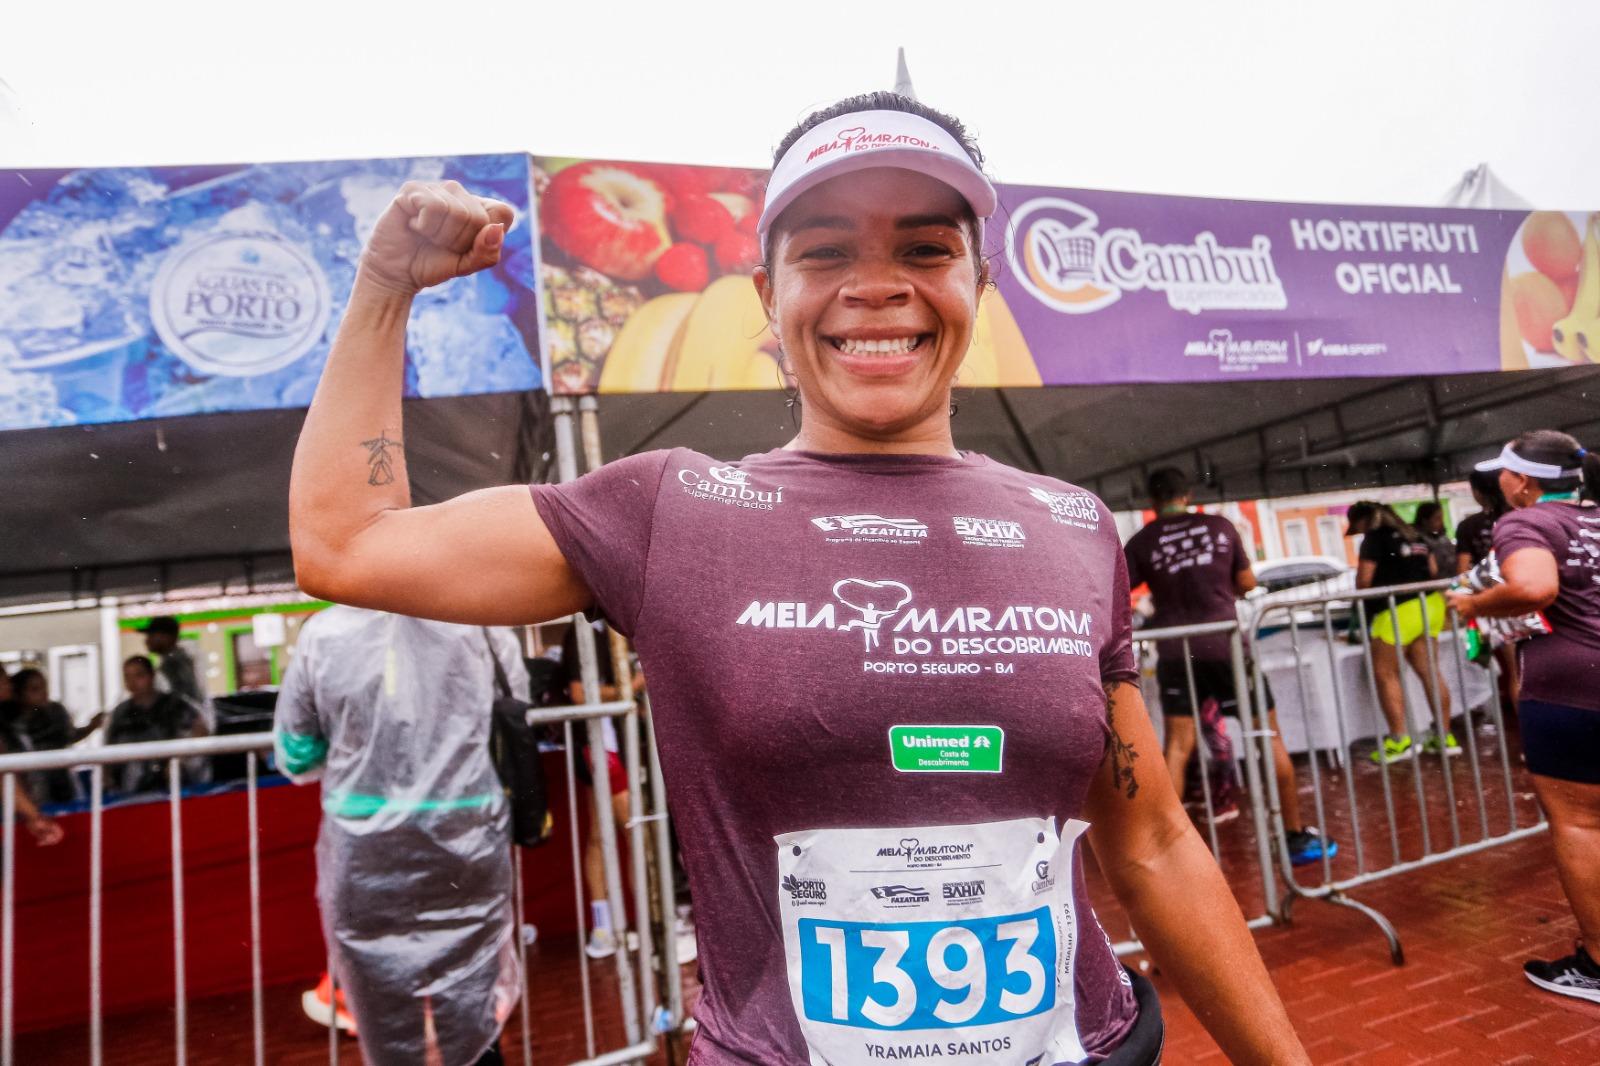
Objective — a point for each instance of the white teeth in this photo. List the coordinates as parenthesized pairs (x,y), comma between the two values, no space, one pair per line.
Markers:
(898,346)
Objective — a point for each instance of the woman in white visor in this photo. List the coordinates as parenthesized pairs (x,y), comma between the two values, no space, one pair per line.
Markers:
(1548,550)
(893,682)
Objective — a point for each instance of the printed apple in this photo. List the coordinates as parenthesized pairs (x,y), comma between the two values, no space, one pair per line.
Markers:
(609,217)
(1539,304)
(1550,242)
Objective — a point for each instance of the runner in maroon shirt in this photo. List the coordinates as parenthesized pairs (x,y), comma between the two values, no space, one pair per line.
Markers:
(1197,568)
(893,681)
(1548,549)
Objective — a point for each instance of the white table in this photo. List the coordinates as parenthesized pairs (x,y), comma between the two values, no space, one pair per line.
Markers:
(1309,710)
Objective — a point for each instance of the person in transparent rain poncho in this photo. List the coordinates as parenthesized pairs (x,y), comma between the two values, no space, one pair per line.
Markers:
(414,874)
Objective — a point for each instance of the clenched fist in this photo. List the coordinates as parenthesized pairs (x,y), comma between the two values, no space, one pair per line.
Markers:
(434,231)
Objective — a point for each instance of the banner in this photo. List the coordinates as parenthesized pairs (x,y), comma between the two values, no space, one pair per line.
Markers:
(647,287)
(646,274)
(1119,287)
(131,293)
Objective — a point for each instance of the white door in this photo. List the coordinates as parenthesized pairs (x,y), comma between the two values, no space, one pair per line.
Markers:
(75,679)
(1297,537)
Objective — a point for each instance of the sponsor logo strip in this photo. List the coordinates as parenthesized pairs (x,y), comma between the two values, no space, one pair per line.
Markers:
(931,749)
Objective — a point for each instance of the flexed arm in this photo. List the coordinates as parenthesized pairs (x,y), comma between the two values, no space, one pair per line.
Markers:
(484,558)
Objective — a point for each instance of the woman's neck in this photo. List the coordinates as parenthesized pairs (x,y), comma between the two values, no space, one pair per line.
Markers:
(931,437)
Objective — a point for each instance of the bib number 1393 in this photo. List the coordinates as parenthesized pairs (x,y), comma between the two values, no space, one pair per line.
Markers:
(928,975)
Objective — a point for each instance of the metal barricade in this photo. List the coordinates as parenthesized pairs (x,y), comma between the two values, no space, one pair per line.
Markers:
(638,999)
(1256,740)
(1311,621)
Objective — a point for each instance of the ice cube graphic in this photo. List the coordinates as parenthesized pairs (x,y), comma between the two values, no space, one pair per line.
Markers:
(454,351)
(29,401)
(77,265)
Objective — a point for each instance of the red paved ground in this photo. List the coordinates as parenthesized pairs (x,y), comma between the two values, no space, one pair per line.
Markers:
(1460,998)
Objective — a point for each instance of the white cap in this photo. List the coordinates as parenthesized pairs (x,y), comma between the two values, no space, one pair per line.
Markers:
(1510,460)
(863,139)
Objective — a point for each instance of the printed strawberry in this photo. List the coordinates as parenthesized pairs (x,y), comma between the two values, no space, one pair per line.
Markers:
(683,180)
(684,267)
(702,218)
(738,253)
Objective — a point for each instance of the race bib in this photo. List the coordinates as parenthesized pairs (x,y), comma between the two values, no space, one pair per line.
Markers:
(952,942)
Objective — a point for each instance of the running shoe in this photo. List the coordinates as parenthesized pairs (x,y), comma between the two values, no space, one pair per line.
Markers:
(318,1008)
(1308,845)
(1576,975)
(602,944)
(1394,750)
(1433,746)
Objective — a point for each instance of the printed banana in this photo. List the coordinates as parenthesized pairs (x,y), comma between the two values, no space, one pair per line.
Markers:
(639,355)
(999,355)
(722,334)
(1577,336)
(1513,356)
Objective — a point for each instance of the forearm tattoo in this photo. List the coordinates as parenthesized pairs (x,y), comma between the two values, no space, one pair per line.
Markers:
(379,459)
(1118,750)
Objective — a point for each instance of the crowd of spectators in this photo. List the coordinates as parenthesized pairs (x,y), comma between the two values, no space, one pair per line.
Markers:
(164,702)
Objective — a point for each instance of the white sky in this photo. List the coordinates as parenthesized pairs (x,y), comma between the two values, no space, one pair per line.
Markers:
(1355,101)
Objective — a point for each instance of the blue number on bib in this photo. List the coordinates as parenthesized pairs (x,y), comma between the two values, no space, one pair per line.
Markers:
(928,975)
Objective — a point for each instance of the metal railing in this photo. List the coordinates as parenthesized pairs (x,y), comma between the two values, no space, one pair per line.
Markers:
(637,998)
(1253,734)
(1431,792)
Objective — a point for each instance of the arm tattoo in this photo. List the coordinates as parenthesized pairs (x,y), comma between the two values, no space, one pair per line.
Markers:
(1120,753)
(378,458)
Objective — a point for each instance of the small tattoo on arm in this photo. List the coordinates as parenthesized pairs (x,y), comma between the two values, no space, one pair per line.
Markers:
(1118,750)
(379,460)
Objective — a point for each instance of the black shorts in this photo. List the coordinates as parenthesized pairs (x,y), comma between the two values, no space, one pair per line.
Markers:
(1560,741)
(1213,680)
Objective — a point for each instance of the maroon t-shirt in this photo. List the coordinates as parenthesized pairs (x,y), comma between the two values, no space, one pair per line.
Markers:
(1563,666)
(790,609)
(1189,561)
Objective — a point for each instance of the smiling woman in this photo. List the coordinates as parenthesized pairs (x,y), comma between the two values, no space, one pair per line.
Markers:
(854,904)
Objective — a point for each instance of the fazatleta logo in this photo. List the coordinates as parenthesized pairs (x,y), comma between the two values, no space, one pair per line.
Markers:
(871,527)
(239,303)
(901,894)
(729,485)
(875,605)
(1062,259)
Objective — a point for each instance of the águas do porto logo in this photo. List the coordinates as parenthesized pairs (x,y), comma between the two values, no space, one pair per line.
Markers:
(239,303)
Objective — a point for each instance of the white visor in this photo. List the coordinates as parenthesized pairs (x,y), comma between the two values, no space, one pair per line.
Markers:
(864,139)
(1510,460)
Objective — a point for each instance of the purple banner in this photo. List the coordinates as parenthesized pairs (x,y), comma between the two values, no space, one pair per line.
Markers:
(1119,287)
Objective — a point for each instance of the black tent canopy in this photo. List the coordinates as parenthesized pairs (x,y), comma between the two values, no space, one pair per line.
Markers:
(147,506)
(143,507)
(1245,440)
